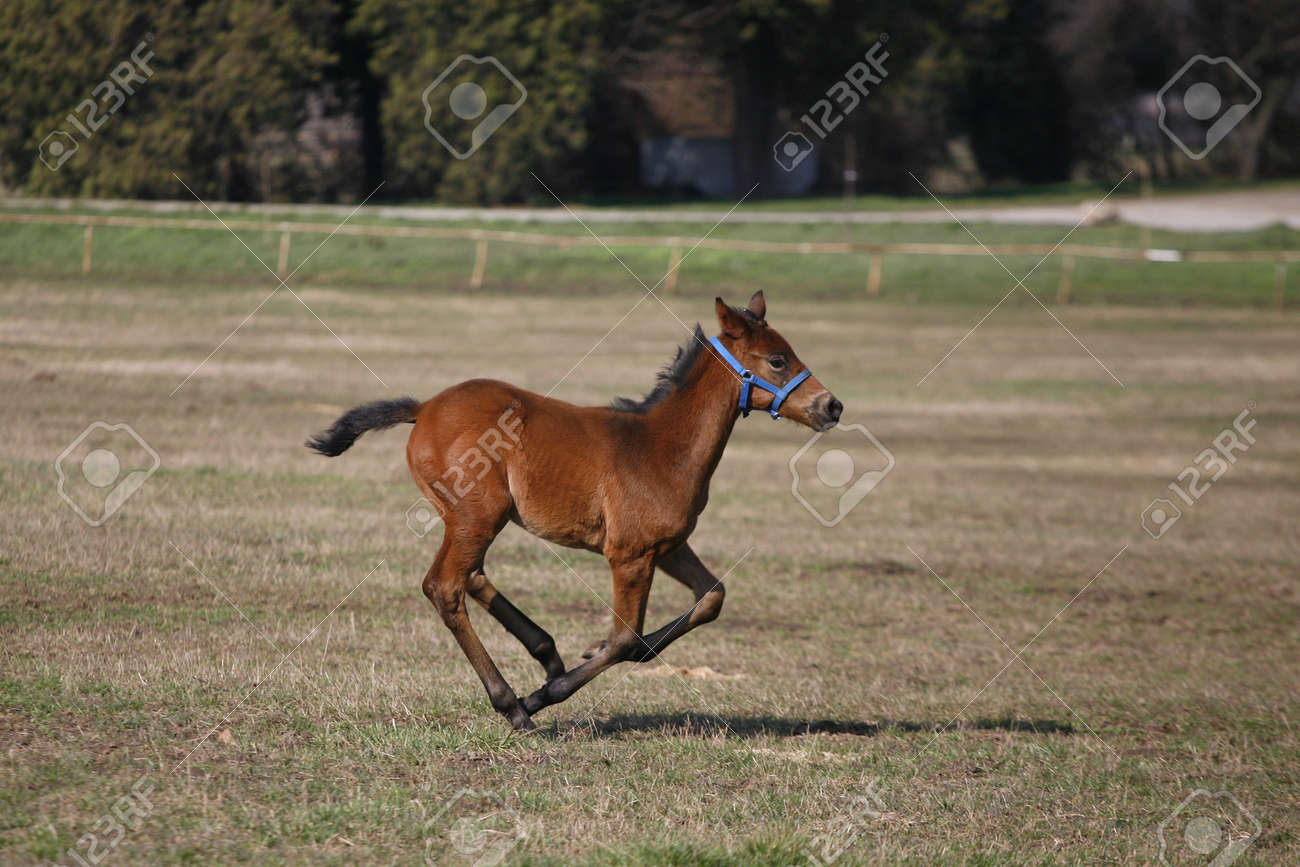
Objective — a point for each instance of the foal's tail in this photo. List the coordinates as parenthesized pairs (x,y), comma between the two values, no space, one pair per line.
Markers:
(353,423)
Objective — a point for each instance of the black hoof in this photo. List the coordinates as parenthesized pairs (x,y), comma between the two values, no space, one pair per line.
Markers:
(520,719)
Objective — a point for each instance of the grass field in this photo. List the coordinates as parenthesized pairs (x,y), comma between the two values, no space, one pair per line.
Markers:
(201,258)
(843,707)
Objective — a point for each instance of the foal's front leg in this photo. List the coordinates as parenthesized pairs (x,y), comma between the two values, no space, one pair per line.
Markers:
(631,588)
(683,565)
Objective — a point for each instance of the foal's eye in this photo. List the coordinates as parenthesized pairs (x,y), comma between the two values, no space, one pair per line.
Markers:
(777,362)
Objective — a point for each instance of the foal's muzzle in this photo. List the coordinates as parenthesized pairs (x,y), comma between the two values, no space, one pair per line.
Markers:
(826,410)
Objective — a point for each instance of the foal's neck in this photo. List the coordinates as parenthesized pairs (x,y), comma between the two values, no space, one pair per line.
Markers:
(691,425)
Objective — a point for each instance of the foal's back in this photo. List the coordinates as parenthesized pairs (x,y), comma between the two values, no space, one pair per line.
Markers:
(524,456)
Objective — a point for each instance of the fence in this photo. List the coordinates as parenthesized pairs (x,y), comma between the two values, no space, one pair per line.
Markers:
(674,245)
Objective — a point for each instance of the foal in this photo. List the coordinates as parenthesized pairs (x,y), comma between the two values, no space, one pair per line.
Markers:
(627,481)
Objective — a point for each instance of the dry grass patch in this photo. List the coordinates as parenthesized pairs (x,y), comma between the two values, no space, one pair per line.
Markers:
(841,665)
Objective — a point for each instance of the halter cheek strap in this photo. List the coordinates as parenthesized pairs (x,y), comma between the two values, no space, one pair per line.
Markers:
(748,379)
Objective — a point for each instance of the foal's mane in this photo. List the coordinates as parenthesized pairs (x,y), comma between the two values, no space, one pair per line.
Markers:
(670,378)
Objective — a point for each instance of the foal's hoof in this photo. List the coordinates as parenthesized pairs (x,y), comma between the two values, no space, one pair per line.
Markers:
(520,719)
(594,649)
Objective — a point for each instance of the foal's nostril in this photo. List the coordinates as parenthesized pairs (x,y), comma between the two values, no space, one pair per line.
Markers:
(834,408)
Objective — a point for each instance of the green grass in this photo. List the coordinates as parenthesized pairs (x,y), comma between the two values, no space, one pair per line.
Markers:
(832,671)
(53,252)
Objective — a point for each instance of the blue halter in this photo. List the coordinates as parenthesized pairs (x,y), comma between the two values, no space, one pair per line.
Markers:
(748,379)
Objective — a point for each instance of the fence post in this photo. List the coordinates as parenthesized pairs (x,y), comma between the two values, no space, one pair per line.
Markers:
(674,263)
(283,266)
(1067,271)
(1279,291)
(86,248)
(480,264)
(874,263)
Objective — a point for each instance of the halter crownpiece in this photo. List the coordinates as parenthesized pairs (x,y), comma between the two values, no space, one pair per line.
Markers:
(748,379)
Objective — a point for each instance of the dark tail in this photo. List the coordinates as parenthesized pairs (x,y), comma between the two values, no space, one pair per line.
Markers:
(353,423)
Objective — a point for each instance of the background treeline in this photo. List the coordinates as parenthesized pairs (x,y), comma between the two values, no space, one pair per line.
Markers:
(320,100)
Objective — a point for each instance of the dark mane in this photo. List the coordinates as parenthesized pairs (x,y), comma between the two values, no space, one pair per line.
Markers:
(670,378)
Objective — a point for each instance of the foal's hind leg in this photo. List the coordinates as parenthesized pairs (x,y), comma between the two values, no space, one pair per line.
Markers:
(461,556)
(683,565)
(536,640)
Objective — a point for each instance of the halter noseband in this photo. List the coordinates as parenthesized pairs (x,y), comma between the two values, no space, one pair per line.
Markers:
(748,379)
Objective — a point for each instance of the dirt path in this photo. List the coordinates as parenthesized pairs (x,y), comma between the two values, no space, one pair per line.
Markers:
(1205,212)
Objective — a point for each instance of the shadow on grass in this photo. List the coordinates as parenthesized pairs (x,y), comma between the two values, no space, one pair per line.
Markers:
(685,724)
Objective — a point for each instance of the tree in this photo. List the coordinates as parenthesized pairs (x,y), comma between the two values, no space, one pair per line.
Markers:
(1119,52)
(222,72)
(1011,100)
(552,49)
(1263,37)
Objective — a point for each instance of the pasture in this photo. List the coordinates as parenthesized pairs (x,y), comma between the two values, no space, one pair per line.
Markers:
(854,703)
(200,258)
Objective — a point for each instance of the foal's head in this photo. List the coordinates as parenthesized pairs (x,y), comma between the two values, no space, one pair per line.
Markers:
(762,350)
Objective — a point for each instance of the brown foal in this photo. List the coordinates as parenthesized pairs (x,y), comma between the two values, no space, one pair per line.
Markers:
(627,481)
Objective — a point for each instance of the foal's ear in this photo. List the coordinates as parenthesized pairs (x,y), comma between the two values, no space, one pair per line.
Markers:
(732,322)
(758,305)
